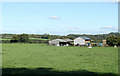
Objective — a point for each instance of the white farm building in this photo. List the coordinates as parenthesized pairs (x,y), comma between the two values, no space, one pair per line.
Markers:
(66,42)
(79,41)
(82,40)
(60,42)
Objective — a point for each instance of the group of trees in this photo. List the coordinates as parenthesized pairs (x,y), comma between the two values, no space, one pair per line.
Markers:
(20,38)
(44,36)
(113,40)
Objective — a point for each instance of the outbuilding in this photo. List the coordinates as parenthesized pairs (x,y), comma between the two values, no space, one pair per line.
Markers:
(82,40)
(60,42)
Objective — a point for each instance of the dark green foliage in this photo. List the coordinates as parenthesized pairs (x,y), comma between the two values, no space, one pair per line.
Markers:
(64,37)
(20,38)
(4,41)
(13,41)
(49,71)
(14,37)
(118,40)
(113,40)
(23,38)
(45,36)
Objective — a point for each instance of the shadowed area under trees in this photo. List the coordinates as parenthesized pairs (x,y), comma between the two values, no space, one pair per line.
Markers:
(50,71)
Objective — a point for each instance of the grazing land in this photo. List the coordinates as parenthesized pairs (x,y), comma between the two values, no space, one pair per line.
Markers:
(38,39)
(44,59)
(5,39)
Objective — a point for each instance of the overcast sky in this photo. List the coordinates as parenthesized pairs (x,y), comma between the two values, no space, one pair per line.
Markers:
(60,18)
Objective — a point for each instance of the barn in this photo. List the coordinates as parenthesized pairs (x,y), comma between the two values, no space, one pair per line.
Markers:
(60,42)
(82,40)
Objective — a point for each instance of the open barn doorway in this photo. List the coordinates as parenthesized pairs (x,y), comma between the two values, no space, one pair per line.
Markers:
(64,43)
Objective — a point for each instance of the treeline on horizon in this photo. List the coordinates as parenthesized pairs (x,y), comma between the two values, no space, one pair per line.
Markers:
(44,38)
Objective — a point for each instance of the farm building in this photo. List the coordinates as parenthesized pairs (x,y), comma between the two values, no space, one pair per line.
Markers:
(82,40)
(60,42)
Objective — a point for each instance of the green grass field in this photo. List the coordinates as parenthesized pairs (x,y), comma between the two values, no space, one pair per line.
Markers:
(38,39)
(45,59)
(5,39)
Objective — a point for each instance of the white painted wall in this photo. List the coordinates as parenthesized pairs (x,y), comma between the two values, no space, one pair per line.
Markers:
(54,42)
(79,41)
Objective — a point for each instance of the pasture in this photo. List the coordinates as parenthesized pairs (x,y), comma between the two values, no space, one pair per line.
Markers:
(44,59)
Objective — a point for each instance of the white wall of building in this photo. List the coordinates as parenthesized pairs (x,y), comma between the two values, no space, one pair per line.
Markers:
(79,41)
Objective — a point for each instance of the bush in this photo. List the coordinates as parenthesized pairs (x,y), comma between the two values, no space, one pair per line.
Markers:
(23,38)
(4,41)
(112,40)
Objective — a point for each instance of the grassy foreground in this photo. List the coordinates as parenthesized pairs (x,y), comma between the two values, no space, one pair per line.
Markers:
(45,59)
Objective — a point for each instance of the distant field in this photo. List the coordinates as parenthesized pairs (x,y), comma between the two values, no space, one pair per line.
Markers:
(38,39)
(45,59)
(4,39)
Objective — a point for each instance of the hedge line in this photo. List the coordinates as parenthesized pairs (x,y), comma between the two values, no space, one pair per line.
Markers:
(30,41)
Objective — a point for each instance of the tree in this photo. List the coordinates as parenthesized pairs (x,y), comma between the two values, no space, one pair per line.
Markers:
(20,38)
(112,40)
(14,39)
(45,36)
(23,38)
(118,39)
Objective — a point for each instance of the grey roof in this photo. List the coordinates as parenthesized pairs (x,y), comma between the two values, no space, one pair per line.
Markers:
(62,40)
(84,37)
(68,40)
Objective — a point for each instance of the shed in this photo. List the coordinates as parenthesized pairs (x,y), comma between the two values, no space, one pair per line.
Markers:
(60,42)
(79,41)
(82,40)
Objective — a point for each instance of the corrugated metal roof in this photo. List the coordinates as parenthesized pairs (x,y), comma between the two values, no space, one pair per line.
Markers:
(84,37)
(67,40)
(62,40)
